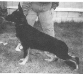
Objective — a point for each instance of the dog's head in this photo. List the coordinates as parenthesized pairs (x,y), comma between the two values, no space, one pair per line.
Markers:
(17,16)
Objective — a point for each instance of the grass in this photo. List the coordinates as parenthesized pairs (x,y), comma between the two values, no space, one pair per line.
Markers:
(69,32)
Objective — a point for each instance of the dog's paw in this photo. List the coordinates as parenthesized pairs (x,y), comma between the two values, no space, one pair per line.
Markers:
(22,61)
(49,60)
(52,59)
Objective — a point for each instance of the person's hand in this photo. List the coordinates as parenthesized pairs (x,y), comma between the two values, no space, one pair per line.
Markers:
(54,5)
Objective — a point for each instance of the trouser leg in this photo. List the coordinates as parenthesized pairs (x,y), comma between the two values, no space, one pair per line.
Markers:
(31,17)
(46,20)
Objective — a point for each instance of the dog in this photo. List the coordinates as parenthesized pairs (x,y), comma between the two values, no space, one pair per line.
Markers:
(32,38)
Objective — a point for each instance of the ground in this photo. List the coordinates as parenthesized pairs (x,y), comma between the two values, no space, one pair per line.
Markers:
(71,33)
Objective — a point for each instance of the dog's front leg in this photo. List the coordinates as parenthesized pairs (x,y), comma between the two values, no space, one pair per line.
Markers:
(26,57)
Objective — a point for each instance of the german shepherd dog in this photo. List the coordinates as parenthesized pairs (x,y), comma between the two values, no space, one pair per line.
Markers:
(32,38)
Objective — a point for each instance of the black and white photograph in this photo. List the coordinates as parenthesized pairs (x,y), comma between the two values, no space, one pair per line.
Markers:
(41,37)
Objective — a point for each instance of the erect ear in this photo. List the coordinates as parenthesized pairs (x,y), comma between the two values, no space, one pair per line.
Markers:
(20,8)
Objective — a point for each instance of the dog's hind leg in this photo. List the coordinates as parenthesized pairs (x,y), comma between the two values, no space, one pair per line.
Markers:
(26,57)
(71,61)
(52,57)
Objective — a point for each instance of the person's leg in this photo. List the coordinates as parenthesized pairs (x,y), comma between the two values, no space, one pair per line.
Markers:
(47,23)
(31,17)
(46,20)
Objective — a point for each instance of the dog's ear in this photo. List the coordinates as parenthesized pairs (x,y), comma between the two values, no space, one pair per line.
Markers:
(20,8)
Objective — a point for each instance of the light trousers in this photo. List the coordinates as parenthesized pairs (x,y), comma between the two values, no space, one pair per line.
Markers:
(46,20)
